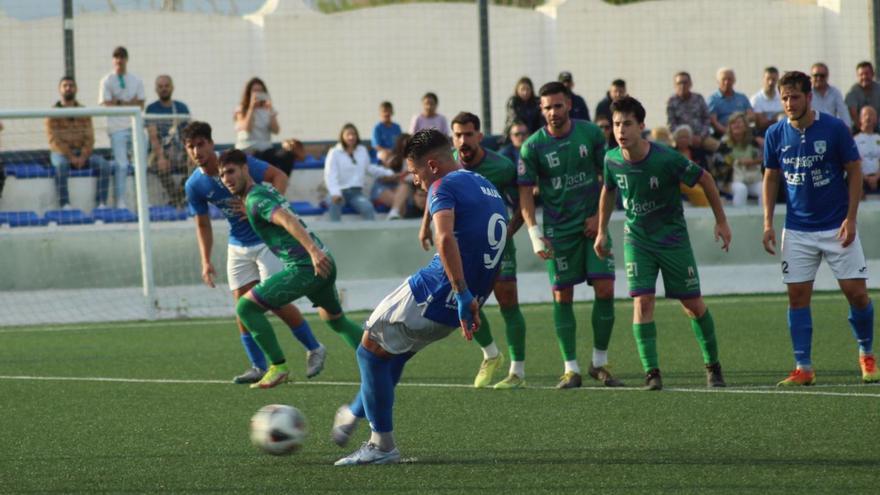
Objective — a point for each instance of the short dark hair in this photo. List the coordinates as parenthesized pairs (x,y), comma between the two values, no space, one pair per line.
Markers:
(197,129)
(432,96)
(66,78)
(424,143)
(554,88)
(796,79)
(464,118)
(630,105)
(234,156)
(682,73)
(386,105)
(120,52)
(620,83)
(771,70)
(863,64)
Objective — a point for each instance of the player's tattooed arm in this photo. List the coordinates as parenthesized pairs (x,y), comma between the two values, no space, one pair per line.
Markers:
(289,221)
(425,237)
(277,178)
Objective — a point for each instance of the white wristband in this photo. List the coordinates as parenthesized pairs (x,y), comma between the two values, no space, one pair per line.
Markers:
(536,235)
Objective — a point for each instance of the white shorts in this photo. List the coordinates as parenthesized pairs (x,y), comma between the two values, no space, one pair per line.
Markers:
(246,264)
(398,326)
(803,251)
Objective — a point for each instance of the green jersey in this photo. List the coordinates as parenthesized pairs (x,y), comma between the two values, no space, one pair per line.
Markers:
(261,202)
(498,170)
(567,171)
(651,194)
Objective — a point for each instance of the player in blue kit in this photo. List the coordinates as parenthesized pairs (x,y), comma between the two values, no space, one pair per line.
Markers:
(819,162)
(470,231)
(248,258)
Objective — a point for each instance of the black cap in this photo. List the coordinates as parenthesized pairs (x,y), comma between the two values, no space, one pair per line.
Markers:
(565,76)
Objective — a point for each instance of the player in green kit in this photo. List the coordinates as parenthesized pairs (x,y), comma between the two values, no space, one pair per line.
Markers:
(308,268)
(564,159)
(501,172)
(656,239)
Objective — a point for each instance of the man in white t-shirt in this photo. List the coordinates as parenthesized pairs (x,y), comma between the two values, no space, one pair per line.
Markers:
(119,88)
(868,143)
(766,103)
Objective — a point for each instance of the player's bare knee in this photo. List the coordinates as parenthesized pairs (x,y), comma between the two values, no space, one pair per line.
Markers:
(505,294)
(856,292)
(694,308)
(799,295)
(643,308)
(564,296)
(604,289)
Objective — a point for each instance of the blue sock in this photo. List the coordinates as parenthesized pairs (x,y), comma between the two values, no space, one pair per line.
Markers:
(253,351)
(377,390)
(357,405)
(862,323)
(800,324)
(303,333)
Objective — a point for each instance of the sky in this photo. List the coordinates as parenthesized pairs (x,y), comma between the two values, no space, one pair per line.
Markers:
(35,9)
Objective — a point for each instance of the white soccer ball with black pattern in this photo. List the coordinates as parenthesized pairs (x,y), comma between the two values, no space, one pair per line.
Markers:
(278,429)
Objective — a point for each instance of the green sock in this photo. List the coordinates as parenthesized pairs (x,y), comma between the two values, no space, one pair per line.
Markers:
(516,332)
(603,323)
(253,317)
(483,336)
(350,332)
(566,329)
(704,329)
(646,341)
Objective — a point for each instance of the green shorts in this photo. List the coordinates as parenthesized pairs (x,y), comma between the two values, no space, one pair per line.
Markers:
(294,282)
(574,261)
(680,277)
(507,270)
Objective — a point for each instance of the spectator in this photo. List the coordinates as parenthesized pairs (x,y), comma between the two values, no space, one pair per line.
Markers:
(255,122)
(866,92)
(71,142)
(682,140)
(523,106)
(385,132)
(429,118)
(686,108)
(605,124)
(385,189)
(167,155)
(868,142)
(409,200)
(579,109)
(617,91)
(661,135)
(766,103)
(739,172)
(344,170)
(725,101)
(827,98)
(120,88)
(2,169)
(516,136)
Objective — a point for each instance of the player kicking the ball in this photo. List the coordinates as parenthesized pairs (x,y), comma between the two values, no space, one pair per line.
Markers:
(823,178)
(470,230)
(308,268)
(655,239)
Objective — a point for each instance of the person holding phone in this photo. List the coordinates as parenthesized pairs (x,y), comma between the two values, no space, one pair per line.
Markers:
(255,122)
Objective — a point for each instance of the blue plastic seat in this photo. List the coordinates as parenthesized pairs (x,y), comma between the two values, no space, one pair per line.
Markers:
(68,217)
(20,218)
(310,163)
(166,214)
(28,170)
(114,215)
(305,208)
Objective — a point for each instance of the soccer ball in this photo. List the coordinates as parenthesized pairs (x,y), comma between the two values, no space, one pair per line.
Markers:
(278,429)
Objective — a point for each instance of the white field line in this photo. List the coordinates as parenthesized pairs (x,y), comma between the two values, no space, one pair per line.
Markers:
(758,390)
(714,301)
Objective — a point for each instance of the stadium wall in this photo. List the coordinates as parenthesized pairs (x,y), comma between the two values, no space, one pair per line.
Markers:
(324,70)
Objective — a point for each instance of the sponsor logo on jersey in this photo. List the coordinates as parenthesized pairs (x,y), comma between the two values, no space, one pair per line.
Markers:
(521,167)
(557,182)
(785,148)
(655,182)
(820,147)
(583,151)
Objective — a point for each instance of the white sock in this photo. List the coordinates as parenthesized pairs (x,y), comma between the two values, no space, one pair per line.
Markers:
(600,358)
(805,367)
(490,351)
(518,368)
(385,441)
(572,366)
(347,416)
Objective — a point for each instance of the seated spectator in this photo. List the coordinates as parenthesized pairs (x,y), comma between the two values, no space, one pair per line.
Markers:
(409,200)
(723,102)
(2,169)
(605,124)
(683,142)
(864,93)
(739,171)
(429,118)
(385,189)
(385,132)
(868,142)
(617,91)
(827,98)
(167,154)
(516,136)
(766,103)
(344,173)
(255,122)
(71,142)
(686,108)
(579,109)
(523,106)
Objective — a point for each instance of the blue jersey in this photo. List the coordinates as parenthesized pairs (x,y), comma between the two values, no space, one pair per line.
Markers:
(202,189)
(812,164)
(481,232)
